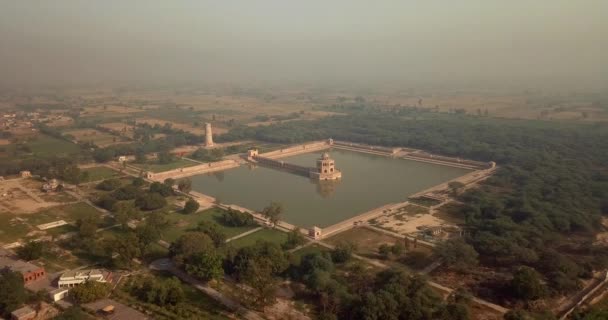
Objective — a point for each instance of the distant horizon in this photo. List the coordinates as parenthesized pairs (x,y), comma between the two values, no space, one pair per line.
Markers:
(556,44)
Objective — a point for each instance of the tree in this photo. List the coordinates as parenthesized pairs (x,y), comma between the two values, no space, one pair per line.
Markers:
(165,157)
(258,274)
(191,206)
(385,251)
(108,184)
(107,201)
(124,212)
(147,235)
(236,218)
(155,290)
(205,265)
(32,250)
(457,254)
(190,244)
(273,212)
(455,187)
(128,192)
(87,227)
(342,252)
(73,313)
(517,314)
(212,230)
(185,185)
(295,238)
(150,201)
(90,291)
(527,285)
(169,182)
(138,181)
(124,249)
(161,188)
(12,292)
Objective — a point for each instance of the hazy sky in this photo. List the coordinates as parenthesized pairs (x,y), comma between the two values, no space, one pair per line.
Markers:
(313,41)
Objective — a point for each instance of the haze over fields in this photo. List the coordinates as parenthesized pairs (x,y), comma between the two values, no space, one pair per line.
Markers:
(548,42)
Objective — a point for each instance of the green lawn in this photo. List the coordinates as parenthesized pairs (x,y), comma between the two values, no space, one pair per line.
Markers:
(181,223)
(156,167)
(70,212)
(44,146)
(270,235)
(12,229)
(99,173)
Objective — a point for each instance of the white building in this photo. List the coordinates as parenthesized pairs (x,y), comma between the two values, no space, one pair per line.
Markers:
(58,294)
(74,278)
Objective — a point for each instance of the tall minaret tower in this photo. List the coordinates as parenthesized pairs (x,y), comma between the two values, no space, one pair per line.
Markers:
(208,135)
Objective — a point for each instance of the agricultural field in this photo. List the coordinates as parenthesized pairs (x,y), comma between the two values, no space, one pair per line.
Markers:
(270,235)
(46,146)
(96,137)
(182,126)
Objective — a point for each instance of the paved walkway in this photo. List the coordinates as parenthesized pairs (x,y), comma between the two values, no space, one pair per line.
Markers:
(244,234)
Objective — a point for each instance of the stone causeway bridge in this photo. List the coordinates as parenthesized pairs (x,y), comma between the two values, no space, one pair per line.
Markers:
(282,165)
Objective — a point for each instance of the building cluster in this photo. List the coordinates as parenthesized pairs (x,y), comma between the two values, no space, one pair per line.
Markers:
(35,276)
(14,121)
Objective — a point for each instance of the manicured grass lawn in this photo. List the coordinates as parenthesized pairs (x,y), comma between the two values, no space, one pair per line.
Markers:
(156,167)
(44,146)
(270,235)
(100,173)
(182,223)
(70,212)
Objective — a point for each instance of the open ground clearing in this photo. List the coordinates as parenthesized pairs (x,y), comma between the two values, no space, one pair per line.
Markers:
(19,227)
(96,137)
(367,243)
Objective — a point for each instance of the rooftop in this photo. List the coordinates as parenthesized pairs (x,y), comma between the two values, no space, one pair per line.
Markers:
(17,265)
(27,310)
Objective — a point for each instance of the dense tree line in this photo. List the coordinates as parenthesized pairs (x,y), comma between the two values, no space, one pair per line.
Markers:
(552,179)
(63,168)
(145,144)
